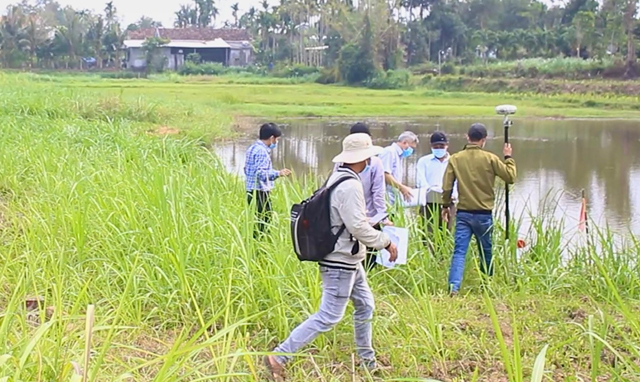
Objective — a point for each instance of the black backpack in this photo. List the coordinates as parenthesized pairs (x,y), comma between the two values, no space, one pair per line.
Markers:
(311,224)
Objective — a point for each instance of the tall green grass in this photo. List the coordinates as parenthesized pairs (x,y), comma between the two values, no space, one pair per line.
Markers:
(156,233)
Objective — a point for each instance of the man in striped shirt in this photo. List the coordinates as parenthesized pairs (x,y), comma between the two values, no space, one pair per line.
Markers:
(260,175)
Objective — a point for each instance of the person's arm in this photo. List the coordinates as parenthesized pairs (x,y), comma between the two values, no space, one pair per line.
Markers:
(390,180)
(505,170)
(378,187)
(421,174)
(454,196)
(353,214)
(389,165)
(447,185)
(264,168)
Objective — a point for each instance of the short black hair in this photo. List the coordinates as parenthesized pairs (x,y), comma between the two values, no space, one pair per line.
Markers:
(477,132)
(360,128)
(269,130)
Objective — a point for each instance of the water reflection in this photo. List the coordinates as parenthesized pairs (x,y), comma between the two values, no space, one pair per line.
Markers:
(555,159)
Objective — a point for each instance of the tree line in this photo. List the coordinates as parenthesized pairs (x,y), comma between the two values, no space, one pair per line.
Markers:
(44,34)
(373,35)
(399,33)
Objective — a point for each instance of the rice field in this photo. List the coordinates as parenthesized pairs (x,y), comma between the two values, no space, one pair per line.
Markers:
(98,205)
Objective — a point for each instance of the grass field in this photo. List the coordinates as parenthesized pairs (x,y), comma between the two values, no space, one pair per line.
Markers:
(151,229)
(274,97)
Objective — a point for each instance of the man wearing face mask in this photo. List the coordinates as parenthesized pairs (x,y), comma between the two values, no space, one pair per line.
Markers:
(475,170)
(392,159)
(260,175)
(342,273)
(429,175)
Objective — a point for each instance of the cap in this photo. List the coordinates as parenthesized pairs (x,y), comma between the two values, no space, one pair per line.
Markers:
(477,132)
(439,137)
(360,128)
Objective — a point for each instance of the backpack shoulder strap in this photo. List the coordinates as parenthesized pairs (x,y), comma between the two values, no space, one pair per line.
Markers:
(340,180)
(332,187)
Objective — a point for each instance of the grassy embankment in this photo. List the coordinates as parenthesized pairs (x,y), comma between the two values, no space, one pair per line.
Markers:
(155,233)
(273,97)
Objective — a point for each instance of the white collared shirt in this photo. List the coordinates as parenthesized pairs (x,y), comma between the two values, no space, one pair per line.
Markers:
(430,173)
(392,163)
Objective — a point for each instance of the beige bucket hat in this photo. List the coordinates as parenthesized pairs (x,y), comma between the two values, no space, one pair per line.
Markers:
(357,148)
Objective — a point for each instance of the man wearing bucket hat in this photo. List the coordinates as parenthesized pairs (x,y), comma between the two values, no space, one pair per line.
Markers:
(343,276)
(373,185)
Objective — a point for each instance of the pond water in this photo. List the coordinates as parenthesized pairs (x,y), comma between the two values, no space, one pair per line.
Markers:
(556,160)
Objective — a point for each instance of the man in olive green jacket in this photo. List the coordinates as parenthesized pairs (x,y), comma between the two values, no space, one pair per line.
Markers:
(475,171)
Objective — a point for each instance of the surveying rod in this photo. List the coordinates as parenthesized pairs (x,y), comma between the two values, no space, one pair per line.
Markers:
(506,111)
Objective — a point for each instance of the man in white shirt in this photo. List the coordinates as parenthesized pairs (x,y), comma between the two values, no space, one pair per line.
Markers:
(393,162)
(429,175)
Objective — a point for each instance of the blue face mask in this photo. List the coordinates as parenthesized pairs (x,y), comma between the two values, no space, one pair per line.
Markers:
(439,153)
(407,152)
(367,168)
(273,145)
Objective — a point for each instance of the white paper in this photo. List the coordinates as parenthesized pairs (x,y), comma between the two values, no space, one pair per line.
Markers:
(399,237)
(418,198)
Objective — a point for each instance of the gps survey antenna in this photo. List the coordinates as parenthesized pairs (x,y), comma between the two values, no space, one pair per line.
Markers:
(506,110)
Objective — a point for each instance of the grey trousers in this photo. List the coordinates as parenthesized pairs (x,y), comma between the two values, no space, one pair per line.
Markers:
(338,286)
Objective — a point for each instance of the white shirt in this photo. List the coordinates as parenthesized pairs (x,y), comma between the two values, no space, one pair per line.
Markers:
(430,173)
(392,163)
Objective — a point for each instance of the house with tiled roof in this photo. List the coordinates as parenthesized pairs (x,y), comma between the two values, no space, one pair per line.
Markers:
(230,47)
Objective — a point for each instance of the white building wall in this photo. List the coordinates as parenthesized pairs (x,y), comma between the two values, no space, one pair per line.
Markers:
(137,59)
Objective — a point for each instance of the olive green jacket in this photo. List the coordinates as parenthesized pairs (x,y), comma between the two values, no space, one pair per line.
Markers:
(475,171)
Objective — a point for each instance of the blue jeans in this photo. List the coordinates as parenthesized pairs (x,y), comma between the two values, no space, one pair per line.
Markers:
(481,226)
(338,287)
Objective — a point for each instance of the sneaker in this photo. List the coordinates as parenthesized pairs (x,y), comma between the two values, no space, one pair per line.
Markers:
(275,368)
(454,293)
(372,366)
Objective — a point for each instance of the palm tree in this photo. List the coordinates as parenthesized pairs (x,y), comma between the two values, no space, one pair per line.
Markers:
(148,22)
(184,16)
(206,12)
(14,42)
(110,12)
(113,42)
(629,23)
(95,36)
(71,34)
(36,34)
(234,12)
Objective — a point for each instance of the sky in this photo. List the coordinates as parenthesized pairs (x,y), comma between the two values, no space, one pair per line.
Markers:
(130,11)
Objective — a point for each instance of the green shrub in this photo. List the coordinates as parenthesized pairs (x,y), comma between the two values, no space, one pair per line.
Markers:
(424,68)
(561,67)
(207,69)
(294,71)
(356,65)
(194,57)
(328,76)
(426,79)
(122,75)
(448,68)
(392,79)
